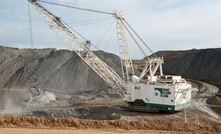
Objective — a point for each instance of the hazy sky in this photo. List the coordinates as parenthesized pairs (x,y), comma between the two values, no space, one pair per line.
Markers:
(163,24)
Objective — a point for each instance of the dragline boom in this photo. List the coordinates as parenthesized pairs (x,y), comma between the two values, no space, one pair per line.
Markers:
(81,49)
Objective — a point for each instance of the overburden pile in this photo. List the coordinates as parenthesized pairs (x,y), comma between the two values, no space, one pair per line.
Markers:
(56,70)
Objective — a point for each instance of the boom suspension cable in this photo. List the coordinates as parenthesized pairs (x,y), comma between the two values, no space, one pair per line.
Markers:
(138,37)
(104,34)
(127,26)
(139,46)
(89,23)
(79,34)
(79,8)
(89,20)
(30,26)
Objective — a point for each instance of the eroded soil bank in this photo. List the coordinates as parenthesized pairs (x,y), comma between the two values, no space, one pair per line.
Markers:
(140,124)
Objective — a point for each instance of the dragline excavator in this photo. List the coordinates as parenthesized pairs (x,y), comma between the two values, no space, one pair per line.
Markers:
(152,90)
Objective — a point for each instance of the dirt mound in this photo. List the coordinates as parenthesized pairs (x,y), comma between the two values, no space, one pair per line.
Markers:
(12,60)
(60,71)
(140,124)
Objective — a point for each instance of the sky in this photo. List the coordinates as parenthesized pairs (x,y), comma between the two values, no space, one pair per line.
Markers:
(163,24)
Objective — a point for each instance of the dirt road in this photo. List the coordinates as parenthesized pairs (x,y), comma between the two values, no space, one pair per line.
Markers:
(202,98)
(80,131)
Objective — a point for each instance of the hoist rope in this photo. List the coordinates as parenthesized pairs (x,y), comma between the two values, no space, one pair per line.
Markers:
(30,26)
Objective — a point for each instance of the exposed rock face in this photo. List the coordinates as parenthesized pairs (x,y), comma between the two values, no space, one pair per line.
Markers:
(61,71)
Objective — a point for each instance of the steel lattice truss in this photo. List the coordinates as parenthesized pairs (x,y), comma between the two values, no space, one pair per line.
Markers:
(68,36)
